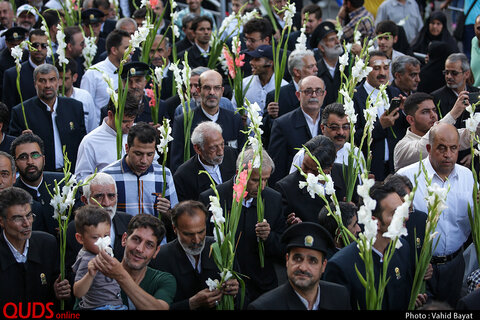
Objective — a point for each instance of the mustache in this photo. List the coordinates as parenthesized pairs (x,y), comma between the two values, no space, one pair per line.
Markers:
(312,100)
(306,273)
(340,136)
(381,77)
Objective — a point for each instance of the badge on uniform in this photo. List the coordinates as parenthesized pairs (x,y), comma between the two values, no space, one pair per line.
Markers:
(43,279)
(397,273)
(71,125)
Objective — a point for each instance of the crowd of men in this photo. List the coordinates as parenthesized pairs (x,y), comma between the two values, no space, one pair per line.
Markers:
(157,214)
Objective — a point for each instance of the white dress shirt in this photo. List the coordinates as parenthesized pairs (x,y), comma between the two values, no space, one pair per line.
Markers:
(97,150)
(453,226)
(93,82)
(59,161)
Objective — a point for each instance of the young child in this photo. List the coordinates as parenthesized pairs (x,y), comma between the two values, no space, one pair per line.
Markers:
(93,289)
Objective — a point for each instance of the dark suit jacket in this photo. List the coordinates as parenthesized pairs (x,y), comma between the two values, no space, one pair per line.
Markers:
(379,167)
(287,102)
(415,225)
(341,269)
(172,259)
(447,98)
(108,26)
(332,297)
(299,200)
(21,282)
(189,183)
(70,122)
(44,220)
(469,302)
(182,45)
(289,132)
(6,62)
(120,222)
(195,57)
(10,92)
(259,279)
(332,84)
(230,122)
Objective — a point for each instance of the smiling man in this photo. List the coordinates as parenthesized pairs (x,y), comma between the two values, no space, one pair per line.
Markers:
(307,244)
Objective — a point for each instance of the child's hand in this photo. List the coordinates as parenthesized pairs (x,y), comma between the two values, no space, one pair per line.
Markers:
(92,270)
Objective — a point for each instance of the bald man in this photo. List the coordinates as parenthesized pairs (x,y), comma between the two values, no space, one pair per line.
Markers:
(211,90)
(453,226)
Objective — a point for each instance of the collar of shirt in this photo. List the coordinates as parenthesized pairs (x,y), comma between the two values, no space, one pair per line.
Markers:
(305,302)
(247,203)
(196,265)
(357,12)
(432,173)
(203,52)
(214,118)
(215,170)
(312,125)
(32,187)
(126,168)
(19,257)
(109,65)
(31,63)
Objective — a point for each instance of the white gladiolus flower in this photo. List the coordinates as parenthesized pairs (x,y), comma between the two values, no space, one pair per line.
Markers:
(433,235)
(329,187)
(104,244)
(313,185)
(289,14)
(472,123)
(61,45)
(254,143)
(216,210)
(343,60)
(226,275)
(396,229)
(165,137)
(212,284)
(17,53)
(301,40)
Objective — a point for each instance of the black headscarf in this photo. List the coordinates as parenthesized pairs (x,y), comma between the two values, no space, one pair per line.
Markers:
(431,76)
(421,42)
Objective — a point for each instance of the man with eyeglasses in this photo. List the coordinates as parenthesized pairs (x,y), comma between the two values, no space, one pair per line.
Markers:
(211,91)
(386,129)
(457,72)
(256,32)
(100,191)
(30,268)
(37,56)
(296,127)
(29,155)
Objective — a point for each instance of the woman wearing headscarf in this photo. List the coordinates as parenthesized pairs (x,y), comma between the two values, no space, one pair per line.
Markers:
(435,29)
(431,76)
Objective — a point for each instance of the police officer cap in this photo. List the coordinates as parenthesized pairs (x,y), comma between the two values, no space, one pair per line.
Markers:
(135,68)
(15,33)
(92,15)
(320,32)
(308,235)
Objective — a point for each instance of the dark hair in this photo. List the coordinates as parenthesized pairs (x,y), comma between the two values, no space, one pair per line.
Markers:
(140,13)
(262,25)
(356,3)
(131,108)
(410,106)
(115,38)
(4,116)
(144,132)
(105,4)
(187,19)
(399,183)
(13,196)
(333,108)
(387,26)
(314,9)
(322,148)
(70,32)
(188,207)
(378,192)
(51,17)
(376,53)
(196,21)
(37,32)
(90,215)
(144,220)
(348,211)
(26,138)
(70,66)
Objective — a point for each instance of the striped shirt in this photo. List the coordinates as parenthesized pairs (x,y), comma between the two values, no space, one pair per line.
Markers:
(138,194)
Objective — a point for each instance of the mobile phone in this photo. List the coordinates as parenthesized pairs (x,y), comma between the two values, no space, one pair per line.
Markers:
(394,104)
(473,97)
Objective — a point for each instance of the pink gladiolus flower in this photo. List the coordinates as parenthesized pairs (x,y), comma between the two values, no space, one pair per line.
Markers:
(151,95)
(153,3)
(229,59)
(238,188)
(240,60)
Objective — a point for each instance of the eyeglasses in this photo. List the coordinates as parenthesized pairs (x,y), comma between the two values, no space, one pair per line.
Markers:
(25,156)
(310,92)
(208,88)
(452,72)
(36,45)
(251,40)
(336,127)
(19,219)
